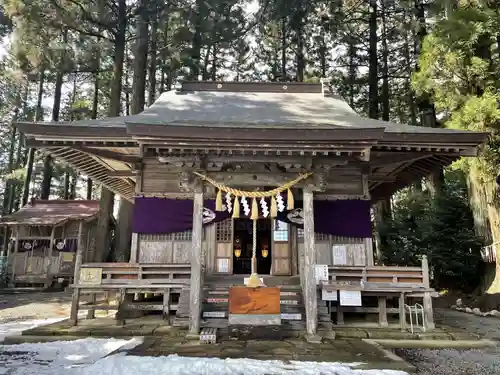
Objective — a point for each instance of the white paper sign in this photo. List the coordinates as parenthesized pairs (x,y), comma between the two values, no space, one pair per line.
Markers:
(214,314)
(321,273)
(328,295)
(291,316)
(245,280)
(223,265)
(339,255)
(350,297)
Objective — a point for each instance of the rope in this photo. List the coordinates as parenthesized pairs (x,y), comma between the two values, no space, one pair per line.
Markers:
(254,247)
(254,194)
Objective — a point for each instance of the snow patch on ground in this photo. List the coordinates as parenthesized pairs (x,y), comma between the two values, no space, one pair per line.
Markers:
(92,356)
(16,327)
(59,357)
(175,365)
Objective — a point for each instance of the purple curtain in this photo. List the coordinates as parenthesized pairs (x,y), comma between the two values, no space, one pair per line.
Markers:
(161,215)
(349,218)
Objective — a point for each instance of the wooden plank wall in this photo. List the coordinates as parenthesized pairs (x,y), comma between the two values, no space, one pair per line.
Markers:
(359,250)
(158,177)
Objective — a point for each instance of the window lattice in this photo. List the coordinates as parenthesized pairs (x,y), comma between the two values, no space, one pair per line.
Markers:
(280,232)
(224,230)
(317,236)
(180,236)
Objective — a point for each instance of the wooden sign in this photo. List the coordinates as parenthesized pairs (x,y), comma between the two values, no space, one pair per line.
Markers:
(291,316)
(328,295)
(254,301)
(67,257)
(350,298)
(339,255)
(223,265)
(321,273)
(214,314)
(90,276)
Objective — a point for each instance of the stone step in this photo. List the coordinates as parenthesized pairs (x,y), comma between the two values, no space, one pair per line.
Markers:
(283,308)
(221,293)
(217,315)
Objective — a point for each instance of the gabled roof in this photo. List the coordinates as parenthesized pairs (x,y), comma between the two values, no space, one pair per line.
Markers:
(52,212)
(244,107)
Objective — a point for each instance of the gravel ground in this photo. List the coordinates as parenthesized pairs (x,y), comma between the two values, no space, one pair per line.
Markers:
(459,362)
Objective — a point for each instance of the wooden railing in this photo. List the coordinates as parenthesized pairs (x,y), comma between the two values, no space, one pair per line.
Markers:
(376,278)
(119,275)
(128,278)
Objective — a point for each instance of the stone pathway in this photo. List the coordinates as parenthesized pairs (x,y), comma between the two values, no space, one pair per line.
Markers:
(343,351)
(459,362)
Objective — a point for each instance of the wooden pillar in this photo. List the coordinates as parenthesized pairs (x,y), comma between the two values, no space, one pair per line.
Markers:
(14,256)
(310,293)
(76,275)
(134,248)
(402,312)
(196,263)
(51,246)
(382,311)
(427,302)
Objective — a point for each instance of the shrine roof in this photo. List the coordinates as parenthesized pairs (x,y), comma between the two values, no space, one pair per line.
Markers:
(246,107)
(52,212)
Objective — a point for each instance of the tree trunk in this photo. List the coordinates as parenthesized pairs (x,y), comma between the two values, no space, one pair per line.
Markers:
(214,63)
(197,40)
(152,59)
(89,189)
(427,113)
(30,159)
(372,72)
(10,166)
(102,238)
(116,82)
(283,50)
(352,70)
(140,60)
(385,68)
(299,40)
(72,186)
(107,197)
(123,233)
(66,186)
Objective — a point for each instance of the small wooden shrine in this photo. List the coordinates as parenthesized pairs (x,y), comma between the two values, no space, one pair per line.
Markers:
(45,236)
(254,183)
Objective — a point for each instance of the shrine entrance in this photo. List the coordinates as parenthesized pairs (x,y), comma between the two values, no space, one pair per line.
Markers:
(242,246)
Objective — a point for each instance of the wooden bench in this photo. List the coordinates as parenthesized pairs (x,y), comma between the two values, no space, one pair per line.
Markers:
(127,280)
(383,282)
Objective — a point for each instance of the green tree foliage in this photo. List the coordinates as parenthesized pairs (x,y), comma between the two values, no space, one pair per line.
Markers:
(440,227)
(460,71)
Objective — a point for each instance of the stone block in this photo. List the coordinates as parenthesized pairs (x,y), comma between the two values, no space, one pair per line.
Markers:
(250,332)
(389,334)
(354,333)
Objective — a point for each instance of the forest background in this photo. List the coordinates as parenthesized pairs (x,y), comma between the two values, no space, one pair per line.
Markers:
(433,63)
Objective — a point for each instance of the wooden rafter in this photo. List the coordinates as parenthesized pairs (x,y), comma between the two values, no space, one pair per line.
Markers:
(86,164)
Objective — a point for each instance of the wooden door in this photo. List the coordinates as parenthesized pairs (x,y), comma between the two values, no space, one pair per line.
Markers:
(281,249)
(224,247)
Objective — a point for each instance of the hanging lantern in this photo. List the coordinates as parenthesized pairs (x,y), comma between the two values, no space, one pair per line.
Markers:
(264,251)
(237,248)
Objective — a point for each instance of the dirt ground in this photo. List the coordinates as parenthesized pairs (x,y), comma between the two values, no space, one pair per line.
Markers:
(28,306)
(459,362)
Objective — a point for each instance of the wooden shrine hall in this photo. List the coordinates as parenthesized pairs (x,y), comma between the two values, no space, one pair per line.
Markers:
(252,206)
